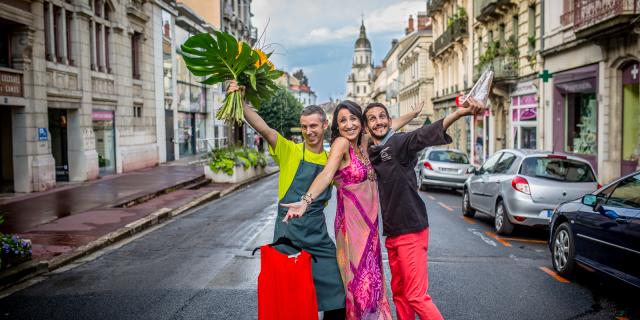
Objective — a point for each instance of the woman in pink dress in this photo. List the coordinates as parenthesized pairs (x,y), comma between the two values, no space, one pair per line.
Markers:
(356,225)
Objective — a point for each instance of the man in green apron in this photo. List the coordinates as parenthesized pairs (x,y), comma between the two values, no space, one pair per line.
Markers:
(300,163)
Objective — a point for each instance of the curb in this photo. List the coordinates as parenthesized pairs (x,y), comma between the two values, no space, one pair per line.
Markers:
(31,269)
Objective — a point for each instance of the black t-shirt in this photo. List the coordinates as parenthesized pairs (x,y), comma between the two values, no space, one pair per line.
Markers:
(403,211)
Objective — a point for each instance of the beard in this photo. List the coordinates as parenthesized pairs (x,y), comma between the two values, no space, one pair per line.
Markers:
(377,137)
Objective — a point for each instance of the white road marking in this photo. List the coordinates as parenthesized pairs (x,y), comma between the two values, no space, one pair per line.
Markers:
(484,238)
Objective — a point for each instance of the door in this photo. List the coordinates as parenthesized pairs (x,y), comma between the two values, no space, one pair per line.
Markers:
(477,184)
(169,135)
(495,179)
(6,151)
(59,146)
(630,130)
(631,204)
(602,236)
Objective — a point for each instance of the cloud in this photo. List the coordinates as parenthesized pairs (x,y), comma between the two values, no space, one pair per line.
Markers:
(318,36)
(387,19)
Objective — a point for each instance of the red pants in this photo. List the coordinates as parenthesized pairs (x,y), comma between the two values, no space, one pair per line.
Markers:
(409,276)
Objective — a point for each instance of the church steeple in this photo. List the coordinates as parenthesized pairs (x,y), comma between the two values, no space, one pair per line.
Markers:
(359,81)
(362,41)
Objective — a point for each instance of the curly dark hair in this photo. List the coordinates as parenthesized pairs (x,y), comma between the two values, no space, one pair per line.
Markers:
(354,109)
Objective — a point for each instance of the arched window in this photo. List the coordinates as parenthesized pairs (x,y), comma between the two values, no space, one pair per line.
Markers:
(357,89)
(100,35)
(59,21)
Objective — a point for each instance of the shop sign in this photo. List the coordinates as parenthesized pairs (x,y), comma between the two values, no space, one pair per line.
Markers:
(102,115)
(10,84)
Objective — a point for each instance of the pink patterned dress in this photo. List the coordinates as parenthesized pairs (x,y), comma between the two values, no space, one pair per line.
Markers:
(357,241)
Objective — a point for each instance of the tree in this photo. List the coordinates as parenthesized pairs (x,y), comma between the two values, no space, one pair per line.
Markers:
(282,112)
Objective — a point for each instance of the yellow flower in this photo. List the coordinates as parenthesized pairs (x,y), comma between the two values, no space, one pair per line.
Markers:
(262,58)
(239,48)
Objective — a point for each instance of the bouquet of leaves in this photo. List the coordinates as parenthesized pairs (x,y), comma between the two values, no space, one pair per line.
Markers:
(220,57)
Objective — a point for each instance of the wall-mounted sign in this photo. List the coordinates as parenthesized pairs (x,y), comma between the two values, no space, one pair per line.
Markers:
(102,115)
(10,84)
(43,134)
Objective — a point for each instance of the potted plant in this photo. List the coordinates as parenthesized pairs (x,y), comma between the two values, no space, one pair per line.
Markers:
(13,249)
(234,164)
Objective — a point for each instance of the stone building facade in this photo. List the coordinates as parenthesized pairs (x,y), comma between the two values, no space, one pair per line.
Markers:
(87,106)
(591,102)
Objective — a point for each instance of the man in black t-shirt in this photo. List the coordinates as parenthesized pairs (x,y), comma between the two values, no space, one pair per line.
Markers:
(404,214)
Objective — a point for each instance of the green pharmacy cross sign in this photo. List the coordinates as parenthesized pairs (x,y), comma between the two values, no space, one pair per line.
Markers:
(545,75)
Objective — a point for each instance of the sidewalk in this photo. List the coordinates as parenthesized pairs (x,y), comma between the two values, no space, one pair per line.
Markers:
(74,221)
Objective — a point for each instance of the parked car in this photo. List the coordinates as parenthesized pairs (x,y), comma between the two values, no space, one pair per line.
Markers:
(443,168)
(522,187)
(600,231)
(326,146)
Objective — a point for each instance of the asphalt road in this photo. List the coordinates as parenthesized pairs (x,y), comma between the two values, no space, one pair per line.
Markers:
(199,266)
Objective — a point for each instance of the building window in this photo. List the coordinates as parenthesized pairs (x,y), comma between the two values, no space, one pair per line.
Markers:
(137,111)
(136,40)
(532,28)
(581,123)
(5,48)
(515,26)
(501,33)
(524,116)
(357,89)
(479,46)
(58,22)
(100,36)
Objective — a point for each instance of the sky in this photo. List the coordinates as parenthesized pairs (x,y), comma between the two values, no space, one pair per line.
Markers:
(318,36)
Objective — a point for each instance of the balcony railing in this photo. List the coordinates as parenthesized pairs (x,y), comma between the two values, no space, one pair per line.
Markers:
(485,10)
(434,6)
(504,68)
(456,31)
(592,16)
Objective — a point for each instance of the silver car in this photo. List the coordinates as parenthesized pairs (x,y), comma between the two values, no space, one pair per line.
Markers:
(523,187)
(443,168)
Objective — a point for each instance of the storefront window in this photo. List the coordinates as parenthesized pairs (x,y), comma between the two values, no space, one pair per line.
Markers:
(103,130)
(581,123)
(524,115)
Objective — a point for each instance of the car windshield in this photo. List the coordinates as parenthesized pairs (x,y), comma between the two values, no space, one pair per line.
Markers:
(448,156)
(557,169)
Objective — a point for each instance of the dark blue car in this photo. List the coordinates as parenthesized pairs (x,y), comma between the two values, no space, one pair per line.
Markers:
(601,231)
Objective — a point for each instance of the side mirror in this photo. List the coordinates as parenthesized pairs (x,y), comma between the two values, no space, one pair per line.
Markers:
(593,201)
(589,200)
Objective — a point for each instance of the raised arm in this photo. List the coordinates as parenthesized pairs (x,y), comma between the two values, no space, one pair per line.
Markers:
(254,120)
(404,119)
(470,107)
(339,148)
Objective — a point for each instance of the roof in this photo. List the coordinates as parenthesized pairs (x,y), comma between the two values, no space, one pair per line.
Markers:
(362,41)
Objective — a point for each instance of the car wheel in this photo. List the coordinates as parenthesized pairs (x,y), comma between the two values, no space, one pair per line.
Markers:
(502,223)
(564,250)
(467,210)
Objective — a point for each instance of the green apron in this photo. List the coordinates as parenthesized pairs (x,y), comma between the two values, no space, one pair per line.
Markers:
(310,233)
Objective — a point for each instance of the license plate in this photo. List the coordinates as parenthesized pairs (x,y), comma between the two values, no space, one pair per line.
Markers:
(549,213)
(449,170)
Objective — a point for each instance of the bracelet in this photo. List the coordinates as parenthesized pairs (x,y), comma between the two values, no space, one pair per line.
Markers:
(307,198)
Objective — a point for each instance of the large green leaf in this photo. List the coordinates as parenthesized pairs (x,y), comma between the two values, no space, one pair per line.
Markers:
(205,55)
